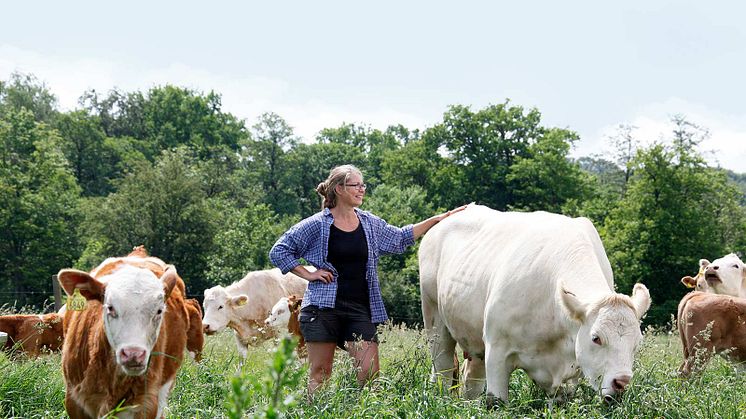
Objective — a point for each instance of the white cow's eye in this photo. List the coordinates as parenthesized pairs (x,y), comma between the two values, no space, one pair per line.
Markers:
(160,310)
(220,308)
(111,312)
(595,339)
(736,266)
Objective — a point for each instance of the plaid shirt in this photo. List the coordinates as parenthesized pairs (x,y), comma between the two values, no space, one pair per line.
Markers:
(309,239)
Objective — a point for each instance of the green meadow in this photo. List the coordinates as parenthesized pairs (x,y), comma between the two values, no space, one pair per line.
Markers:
(34,388)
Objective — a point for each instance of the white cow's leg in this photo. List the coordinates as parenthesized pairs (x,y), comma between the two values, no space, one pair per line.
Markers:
(243,349)
(163,397)
(498,375)
(442,349)
(474,373)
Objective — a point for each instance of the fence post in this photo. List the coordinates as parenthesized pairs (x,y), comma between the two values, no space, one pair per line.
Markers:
(57,293)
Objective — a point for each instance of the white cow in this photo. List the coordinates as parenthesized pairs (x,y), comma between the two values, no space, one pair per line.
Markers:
(527,290)
(726,276)
(244,305)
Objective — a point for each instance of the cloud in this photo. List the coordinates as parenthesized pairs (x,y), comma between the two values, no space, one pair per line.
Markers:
(725,147)
(245,97)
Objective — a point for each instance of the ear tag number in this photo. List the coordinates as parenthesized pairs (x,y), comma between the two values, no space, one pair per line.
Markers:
(76,302)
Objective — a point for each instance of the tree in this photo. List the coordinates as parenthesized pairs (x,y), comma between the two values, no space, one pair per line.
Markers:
(625,146)
(161,206)
(265,157)
(38,208)
(545,179)
(307,165)
(243,244)
(482,146)
(399,274)
(168,117)
(676,210)
(372,142)
(94,161)
(24,91)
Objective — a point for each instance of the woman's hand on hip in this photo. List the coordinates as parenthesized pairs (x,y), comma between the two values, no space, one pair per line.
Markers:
(320,275)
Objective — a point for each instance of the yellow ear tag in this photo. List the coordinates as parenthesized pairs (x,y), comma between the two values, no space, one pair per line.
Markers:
(76,302)
(242,302)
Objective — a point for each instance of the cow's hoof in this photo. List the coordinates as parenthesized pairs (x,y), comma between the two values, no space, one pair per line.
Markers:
(493,402)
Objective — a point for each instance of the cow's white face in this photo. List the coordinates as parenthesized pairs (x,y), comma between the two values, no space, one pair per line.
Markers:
(608,338)
(219,307)
(726,275)
(133,305)
(279,317)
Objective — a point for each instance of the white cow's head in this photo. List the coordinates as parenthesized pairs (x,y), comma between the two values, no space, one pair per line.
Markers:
(279,317)
(133,303)
(608,338)
(726,275)
(219,308)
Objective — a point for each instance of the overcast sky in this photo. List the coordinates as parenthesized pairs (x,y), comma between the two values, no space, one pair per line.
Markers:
(586,65)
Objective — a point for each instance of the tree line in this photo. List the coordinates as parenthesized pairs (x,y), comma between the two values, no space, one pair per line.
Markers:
(170,169)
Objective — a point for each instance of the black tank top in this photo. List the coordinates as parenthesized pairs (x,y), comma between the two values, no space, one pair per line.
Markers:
(348,253)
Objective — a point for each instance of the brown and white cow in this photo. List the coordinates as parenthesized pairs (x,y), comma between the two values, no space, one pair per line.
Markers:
(711,324)
(284,316)
(32,334)
(526,290)
(726,276)
(195,334)
(128,343)
(244,305)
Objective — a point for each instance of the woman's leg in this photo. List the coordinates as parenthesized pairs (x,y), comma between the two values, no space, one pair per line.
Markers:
(365,354)
(321,358)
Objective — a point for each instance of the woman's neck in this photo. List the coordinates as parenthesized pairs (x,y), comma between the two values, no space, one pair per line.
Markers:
(343,212)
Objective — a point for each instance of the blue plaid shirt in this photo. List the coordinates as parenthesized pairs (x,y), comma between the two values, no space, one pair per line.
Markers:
(309,239)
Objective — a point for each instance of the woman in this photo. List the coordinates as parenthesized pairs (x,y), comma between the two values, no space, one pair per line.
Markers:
(343,302)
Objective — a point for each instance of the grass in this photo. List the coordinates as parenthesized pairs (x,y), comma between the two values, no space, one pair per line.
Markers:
(35,388)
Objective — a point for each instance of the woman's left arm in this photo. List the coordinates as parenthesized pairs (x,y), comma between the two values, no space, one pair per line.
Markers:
(422,227)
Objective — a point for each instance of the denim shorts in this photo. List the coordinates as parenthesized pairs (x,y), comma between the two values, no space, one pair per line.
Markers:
(348,321)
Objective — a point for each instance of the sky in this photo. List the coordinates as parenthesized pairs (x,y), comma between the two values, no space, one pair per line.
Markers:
(585,65)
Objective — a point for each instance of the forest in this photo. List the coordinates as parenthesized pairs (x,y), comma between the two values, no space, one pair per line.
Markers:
(169,169)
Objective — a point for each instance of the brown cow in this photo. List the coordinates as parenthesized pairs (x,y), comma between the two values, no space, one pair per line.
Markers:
(32,334)
(711,324)
(128,343)
(195,334)
(285,314)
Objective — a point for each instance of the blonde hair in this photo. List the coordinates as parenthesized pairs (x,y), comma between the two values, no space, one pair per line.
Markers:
(337,176)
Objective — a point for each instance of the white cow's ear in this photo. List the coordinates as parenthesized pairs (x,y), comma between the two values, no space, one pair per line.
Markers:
(239,300)
(574,306)
(703,263)
(641,300)
(90,287)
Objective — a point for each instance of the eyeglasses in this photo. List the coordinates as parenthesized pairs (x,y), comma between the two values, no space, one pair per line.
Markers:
(359,186)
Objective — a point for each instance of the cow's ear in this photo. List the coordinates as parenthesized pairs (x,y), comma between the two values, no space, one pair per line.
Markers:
(239,300)
(641,300)
(689,282)
(574,306)
(703,263)
(294,302)
(170,279)
(90,287)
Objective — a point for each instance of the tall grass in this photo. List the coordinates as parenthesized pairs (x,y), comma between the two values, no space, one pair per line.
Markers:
(35,388)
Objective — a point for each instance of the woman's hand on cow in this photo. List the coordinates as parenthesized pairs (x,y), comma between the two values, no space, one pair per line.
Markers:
(320,275)
(440,217)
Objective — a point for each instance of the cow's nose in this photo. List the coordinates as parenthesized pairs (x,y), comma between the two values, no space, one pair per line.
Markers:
(132,355)
(620,383)
(715,268)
